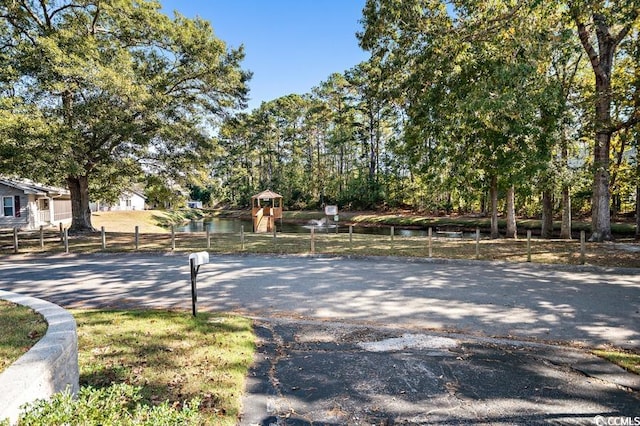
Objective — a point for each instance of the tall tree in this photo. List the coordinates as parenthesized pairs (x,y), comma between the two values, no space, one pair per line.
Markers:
(602,26)
(337,93)
(112,84)
(375,114)
(472,85)
(564,65)
(637,136)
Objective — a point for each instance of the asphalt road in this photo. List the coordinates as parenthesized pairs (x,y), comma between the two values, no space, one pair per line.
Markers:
(388,341)
(587,306)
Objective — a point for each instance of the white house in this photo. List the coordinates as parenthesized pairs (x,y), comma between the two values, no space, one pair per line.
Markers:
(128,200)
(29,205)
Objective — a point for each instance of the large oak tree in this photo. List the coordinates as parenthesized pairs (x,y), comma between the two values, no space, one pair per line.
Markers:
(97,90)
(602,26)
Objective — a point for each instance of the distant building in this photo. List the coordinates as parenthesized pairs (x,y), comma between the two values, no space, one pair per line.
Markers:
(128,200)
(194,204)
(29,205)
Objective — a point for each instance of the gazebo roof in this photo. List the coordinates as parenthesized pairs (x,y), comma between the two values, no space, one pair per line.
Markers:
(267,195)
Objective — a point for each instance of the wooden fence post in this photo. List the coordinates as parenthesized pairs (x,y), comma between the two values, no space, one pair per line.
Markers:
(274,235)
(582,248)
(66,240)
(477,243)
(242,237)
(137,236)
(391,233)
(103,238)
(173,237)
(208,238)
(15,240)
(528,245)
(430,233)
(350,237)
(313,240)
(41,237)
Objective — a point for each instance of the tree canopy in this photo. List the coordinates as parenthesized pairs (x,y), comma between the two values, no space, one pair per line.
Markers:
(501,107)
(461,105)
(94,92)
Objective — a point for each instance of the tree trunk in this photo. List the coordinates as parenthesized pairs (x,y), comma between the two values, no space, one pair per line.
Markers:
(547,214)
(565,228)
(602,65)
(600,210)
(78,185)
(493,193)
(637,147)
(372,146)
(80,210)
(638,195)
(512,231)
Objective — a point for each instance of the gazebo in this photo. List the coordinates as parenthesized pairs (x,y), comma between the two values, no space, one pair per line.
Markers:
(266,207)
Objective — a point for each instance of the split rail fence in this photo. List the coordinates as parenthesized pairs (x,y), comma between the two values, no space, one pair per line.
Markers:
(346,242)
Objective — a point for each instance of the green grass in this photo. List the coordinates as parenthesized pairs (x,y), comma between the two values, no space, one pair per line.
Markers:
(21,329)
(172,356)
(627,360)
(148,221)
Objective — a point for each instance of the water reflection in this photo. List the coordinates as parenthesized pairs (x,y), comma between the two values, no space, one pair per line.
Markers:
(216,225)
(225,225)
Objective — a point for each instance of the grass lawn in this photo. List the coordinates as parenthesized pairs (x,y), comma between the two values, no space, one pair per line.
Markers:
(20,329)
(171,355)
(148,221)
(627,360)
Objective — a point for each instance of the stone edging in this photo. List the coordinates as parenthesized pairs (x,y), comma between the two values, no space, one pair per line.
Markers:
(50,366)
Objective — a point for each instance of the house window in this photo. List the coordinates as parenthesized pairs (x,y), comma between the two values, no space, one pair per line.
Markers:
(44,204)
(7,206)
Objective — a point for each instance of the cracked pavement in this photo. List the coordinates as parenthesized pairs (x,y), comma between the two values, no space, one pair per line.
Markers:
(327,373)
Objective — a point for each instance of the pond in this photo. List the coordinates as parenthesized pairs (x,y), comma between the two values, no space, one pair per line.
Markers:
(225,225)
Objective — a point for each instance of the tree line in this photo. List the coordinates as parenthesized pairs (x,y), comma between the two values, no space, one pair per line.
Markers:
(521,107)
(515,107)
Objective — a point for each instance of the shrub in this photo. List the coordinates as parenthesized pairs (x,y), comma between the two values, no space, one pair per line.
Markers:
(118,404)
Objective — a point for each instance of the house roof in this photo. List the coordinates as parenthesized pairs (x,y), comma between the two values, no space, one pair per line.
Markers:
(30,187)
(135,192)
(267,195)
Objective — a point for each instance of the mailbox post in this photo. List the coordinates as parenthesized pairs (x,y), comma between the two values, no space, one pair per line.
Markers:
(195,260)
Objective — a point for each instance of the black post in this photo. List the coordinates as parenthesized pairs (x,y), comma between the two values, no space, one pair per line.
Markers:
(194,292)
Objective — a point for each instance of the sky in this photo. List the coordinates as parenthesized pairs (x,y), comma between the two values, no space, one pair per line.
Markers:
(290,45)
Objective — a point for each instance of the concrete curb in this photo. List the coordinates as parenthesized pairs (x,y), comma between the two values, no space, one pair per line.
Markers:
(50,366)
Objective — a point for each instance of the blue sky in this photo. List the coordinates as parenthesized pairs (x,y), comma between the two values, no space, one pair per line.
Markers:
(290,45)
